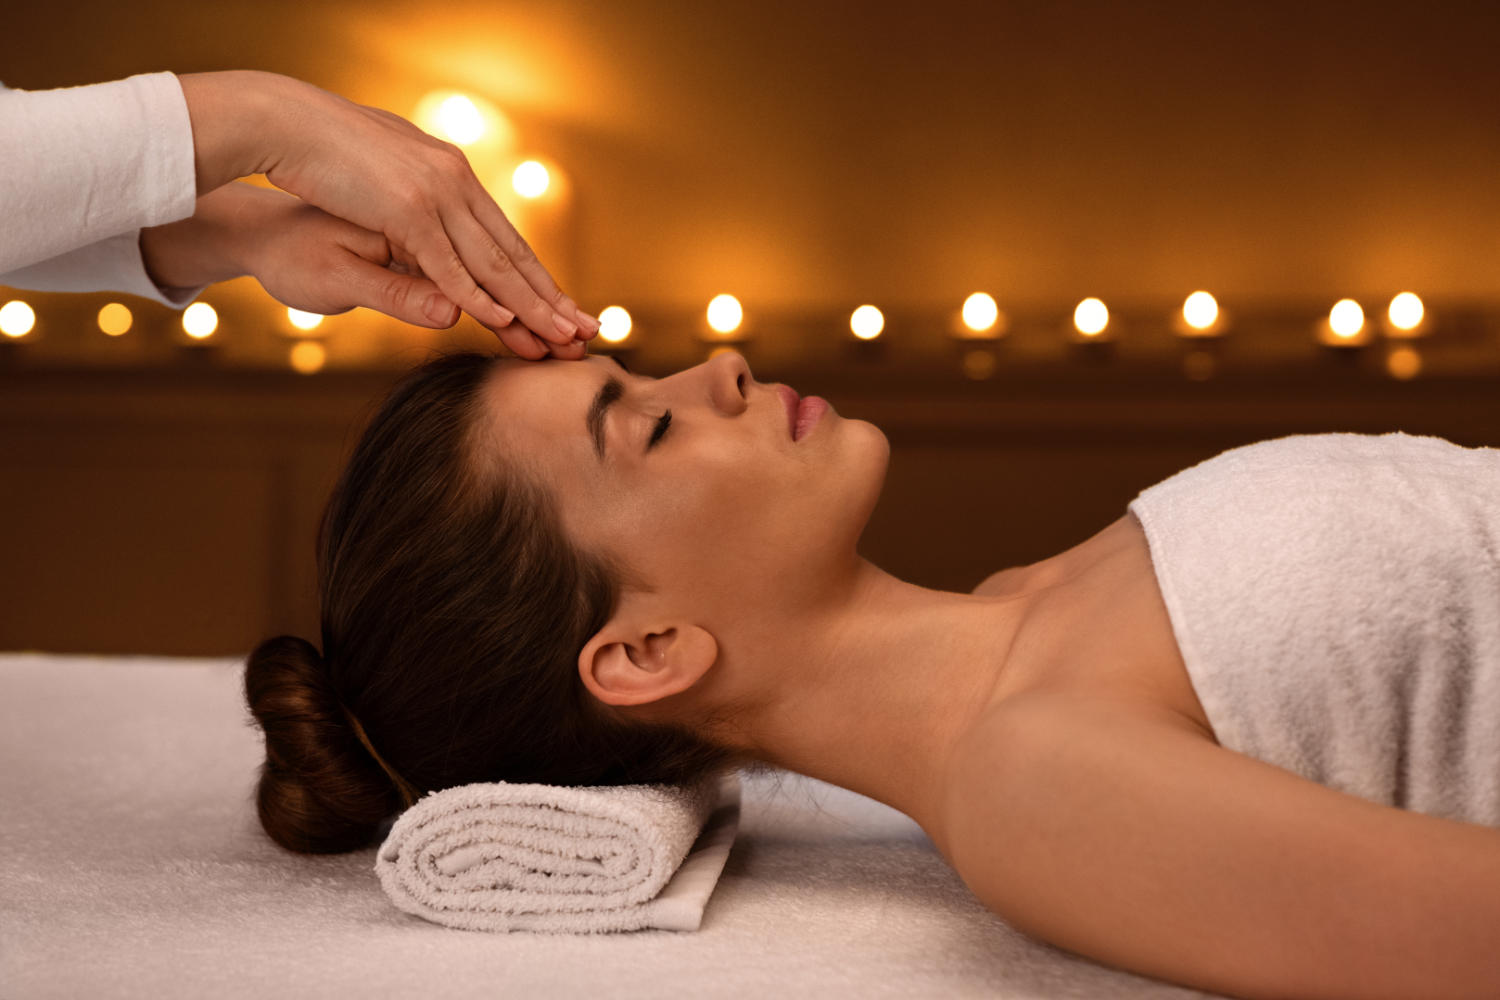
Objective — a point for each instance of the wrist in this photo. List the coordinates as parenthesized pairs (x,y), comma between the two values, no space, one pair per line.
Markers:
(234,123)
(216,244)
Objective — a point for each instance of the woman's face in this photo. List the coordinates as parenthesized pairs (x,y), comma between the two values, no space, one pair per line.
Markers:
(723,511)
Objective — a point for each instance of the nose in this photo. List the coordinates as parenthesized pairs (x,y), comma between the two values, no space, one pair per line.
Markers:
(729,380)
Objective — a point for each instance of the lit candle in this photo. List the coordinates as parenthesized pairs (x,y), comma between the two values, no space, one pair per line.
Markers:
(614,324)
(1405,317)
(465,120)
(1344,326)
(615,340)
(866,322)
(536,194)
(724,320)
(1200,317)
(530,179)
(199,321)
(1090,322)
(16,319)
(115,319)
(980,318)
(303,322)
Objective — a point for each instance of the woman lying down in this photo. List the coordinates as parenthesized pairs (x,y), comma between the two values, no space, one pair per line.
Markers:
(1246,738)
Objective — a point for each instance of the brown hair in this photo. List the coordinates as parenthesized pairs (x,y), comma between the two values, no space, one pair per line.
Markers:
(453,611)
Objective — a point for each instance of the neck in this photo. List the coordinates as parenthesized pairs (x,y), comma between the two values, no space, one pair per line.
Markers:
(873,690)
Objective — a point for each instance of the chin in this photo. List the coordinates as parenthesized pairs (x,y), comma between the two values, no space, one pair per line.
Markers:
(869,453)
(871,443)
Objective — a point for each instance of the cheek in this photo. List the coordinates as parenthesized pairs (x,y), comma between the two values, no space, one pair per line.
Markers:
(709,503)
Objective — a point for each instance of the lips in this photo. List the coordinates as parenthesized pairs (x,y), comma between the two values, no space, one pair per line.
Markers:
(810,410)
(790,398)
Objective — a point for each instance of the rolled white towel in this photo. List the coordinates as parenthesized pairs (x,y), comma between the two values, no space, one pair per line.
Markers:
(496,856)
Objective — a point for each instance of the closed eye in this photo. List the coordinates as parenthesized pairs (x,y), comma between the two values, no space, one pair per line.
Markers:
(662,423)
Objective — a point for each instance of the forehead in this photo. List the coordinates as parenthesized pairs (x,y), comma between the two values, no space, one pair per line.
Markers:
(534,414)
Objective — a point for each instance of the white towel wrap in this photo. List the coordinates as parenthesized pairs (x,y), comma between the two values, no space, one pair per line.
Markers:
(497,856)
(1336,598)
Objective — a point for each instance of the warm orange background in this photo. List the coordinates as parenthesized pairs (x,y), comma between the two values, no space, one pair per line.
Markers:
(809,154)
(158,498)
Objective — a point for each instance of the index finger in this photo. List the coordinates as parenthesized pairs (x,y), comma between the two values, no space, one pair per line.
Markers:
(439,260)
(489,215)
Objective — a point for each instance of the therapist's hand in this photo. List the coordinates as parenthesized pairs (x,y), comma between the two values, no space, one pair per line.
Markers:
(383,174)
(307,259)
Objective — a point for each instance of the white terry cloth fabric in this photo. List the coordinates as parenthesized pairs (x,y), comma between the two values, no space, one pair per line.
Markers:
(1336,598)
(82,171)
(498,856)
(134,866)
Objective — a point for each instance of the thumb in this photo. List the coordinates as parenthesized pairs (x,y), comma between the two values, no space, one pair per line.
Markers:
(407,298)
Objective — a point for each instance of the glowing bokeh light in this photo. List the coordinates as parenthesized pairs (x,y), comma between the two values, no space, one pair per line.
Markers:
(1090,317)
(725,313)
(866,322)
(303,320)
(464,120)
(1403,363)
(1199,365)
(979,363)
(1406,311)
(307,356)
(115,319)
(1200,311)
(530,179)
(980,312)
(1346,319)
(614,324)
(16,318)
(199,320)
(458,120)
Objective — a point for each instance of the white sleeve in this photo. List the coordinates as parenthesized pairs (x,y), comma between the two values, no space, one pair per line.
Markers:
(113,264)
(82,171)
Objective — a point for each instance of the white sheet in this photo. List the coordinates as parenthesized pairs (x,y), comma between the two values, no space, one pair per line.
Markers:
(132,866)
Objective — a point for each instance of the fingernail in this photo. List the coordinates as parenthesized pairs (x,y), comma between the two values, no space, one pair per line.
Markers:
(588,322)
(566,327)
(505,315)
(439,308)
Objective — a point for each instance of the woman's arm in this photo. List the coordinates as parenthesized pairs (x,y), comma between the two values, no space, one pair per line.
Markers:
(382,173)
(89,165)
(301,255)
(1108,832)
(84,164)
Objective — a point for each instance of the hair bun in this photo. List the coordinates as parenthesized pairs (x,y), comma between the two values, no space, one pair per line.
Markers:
(319,791)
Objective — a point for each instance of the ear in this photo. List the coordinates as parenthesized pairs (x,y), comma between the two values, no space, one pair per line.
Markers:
(625,666)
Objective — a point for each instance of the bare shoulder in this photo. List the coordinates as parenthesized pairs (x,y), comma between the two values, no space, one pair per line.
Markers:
(996,583)
(1112,830)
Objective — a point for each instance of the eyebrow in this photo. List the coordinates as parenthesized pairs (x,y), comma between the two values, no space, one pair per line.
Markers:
(609,393)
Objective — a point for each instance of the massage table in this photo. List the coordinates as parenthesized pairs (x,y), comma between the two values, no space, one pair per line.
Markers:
(133,866)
